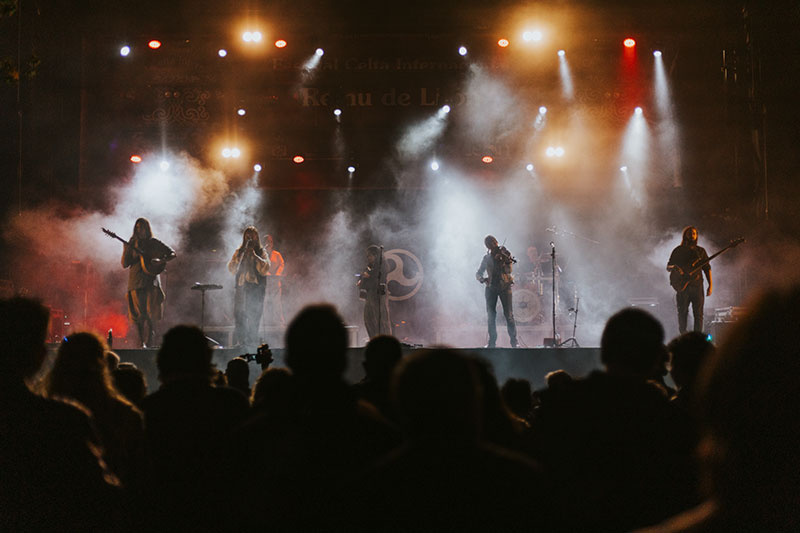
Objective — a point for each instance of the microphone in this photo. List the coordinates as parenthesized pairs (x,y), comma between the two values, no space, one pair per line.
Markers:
(552,244)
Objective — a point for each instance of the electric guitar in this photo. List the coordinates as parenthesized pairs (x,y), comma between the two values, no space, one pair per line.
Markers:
(152,266)
(680,279)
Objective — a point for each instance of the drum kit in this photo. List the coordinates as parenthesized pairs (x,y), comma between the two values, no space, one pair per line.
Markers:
(533,295)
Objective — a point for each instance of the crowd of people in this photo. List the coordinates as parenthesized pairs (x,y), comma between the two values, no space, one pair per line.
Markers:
(427,441)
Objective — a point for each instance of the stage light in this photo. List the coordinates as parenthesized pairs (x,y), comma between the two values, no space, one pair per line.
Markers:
(241,112)
(226,152)
(638,111)
(623,168)
(542,110)
(155,44)
(124,51)
(529,167)
(247,36)
(445,109)
(320,52)
(280,43)
(136,158)
(561,53)
(235,153)
(554,151)
(487,159)
(222,52)
(351,169)
(257,167)
(532,35)
(434,165)
(629,43)
(337,112)
(164,165)
(462,50)
(559,152)
(298,159)
(257,36)
(657,53)
(502,43)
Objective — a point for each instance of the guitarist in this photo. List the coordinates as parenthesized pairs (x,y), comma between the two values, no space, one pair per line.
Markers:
(682,260)
(145,296)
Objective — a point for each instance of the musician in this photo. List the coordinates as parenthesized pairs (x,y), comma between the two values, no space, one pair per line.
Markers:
(372,288)
(250,266)
(145,296)
(681,262)
(273,304)
(497,266)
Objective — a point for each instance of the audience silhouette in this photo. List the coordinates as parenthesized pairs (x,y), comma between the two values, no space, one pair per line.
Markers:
(52,472)
(380,358)
(186,420)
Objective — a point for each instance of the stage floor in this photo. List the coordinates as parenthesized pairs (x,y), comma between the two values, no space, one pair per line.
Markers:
(529,363)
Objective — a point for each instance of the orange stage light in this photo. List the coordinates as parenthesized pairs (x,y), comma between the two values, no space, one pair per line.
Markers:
(136,159)
(298,159)
(487,159)
(154,44)
(502,43)
(629,43)
(280,43)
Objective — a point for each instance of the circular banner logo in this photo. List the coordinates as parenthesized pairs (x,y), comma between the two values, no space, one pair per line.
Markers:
(405,274)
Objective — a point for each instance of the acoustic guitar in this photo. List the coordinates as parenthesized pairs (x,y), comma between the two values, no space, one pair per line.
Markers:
(680,279)
(152,266)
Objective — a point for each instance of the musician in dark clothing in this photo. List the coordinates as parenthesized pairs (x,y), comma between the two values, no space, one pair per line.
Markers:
(682,261)
(372,288)
(497,266)
(145,256)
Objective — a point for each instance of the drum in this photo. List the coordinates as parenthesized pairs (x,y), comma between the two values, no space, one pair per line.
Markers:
(527,306)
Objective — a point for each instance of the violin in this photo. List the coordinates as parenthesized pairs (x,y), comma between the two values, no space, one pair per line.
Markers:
(502,255)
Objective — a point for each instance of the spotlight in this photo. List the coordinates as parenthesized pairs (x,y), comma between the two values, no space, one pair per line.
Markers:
(434,165)
(320,52)
(487,159)
(247,36)
(502,43)
(226,152)
(543,110)
(155,44)
(529,167)
(337,112)
(462,50)
(235,153)
(136,158)
(554,151)
(532,35)
(629,43)
(445,108)
(298,159)
(351,169)
(164,165)
(638,111)
(280,43)
(559,152)
(125,50)
(657,53)
(241,112)
(257,36)
(257,167)
(561,53)
(222,52)
(623,168)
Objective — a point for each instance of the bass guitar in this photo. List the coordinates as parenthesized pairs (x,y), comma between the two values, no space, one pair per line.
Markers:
(152,266)
(679,279)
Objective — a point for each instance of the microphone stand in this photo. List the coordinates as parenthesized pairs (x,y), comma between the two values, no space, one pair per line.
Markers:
(380,275)
(572,339)
(553,263)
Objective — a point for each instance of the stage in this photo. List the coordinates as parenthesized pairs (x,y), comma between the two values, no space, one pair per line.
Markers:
(529,363)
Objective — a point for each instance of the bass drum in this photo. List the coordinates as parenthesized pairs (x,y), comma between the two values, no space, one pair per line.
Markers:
(527,307)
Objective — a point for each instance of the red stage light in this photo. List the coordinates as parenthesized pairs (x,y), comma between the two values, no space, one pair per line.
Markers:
(280,43)
(487,159)
(136,159)
(298,159)
(502,43)
(154,44)
(629,43)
